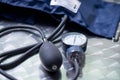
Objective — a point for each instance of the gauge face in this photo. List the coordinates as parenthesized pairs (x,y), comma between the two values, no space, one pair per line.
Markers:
(74,38)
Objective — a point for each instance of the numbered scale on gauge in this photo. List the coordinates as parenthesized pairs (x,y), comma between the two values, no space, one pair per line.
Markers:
(74,39)
(74,46)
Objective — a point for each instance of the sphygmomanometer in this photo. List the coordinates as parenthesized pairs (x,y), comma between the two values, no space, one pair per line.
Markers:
(92,14)
(74,46)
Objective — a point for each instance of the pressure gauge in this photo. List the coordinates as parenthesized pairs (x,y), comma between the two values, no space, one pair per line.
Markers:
(74,47)
(74,39)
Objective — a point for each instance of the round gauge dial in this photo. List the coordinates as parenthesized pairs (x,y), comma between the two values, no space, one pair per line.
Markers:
(74,38)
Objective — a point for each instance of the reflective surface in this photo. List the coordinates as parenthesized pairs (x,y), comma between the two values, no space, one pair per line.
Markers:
(102,59)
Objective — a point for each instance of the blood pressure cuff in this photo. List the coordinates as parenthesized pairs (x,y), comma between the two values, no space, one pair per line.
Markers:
(97,16)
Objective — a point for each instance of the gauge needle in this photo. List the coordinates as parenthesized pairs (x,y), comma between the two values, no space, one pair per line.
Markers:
(74,40)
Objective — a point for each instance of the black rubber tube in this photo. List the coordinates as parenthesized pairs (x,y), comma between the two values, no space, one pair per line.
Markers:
(58,33)
(33,50)
(62,23)
(7,75)
(16,30)
(21,59)
(76,69)
(24,27)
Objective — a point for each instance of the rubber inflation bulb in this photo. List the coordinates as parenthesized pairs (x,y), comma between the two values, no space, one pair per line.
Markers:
(50,57)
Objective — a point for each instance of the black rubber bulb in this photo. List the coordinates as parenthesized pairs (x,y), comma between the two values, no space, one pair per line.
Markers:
(50,56)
